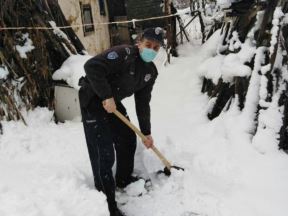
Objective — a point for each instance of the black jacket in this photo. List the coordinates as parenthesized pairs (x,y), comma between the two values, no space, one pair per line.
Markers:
(120,72)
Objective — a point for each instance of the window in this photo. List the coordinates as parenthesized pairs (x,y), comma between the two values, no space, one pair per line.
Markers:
(102,7)
(87,18)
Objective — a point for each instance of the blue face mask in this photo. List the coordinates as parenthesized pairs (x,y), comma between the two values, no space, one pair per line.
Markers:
(148,55)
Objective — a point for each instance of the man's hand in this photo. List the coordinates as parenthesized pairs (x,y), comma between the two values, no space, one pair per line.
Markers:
(149,142)
(109,105)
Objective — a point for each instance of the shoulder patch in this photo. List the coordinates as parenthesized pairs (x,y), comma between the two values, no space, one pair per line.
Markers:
(158,30)
(128,51)
(147,77)
(112,55)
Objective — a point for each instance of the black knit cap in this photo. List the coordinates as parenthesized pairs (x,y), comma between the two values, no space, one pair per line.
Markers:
(156,34)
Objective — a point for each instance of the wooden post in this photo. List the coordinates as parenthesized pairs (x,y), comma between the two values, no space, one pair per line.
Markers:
(168,24)
(191,5)
(203,6)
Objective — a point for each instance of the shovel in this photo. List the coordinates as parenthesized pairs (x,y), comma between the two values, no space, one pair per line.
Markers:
(167,164)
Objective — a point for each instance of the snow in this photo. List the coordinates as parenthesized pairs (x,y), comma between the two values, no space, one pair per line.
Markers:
(278,14)
(285,19)
(270,116)
(72,70)
(270,122)
(3,72)
(47,170)
(252,98)
(57,31)
(225,3)
(136,188)
(211,68)
(263,91)
(27,47)
(228,66)
(234,42)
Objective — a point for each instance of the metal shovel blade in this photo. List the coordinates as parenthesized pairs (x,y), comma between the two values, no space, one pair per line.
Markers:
(167,171)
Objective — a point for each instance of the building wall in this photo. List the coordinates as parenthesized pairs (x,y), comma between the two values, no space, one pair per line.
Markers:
(66,99)
(94,42)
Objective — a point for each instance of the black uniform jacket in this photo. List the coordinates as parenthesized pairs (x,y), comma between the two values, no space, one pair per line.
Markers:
(120,72)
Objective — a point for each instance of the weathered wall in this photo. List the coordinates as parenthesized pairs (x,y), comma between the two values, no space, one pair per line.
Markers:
(94,42)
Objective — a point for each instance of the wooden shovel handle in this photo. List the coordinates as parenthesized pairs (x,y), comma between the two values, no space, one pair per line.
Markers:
(143,137)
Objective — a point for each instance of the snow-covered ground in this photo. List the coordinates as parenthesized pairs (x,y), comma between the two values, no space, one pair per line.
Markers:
(45,168)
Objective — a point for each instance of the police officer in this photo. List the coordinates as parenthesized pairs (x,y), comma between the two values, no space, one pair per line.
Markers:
(115,74)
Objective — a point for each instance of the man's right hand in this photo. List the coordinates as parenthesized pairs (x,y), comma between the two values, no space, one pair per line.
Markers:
(148,142)
(109,105)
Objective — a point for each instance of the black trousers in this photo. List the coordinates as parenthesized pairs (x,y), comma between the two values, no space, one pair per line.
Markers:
(104,132)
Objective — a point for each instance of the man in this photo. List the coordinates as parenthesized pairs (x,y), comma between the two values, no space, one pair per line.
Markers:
(111,76)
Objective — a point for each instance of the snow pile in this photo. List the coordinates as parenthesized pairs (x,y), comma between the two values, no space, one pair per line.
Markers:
(270,115)
(45,168)
(27,47)
(225,174)
(229,66)
(72,70)
(270,121)
(3,72)
(136,188)
(211,68)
